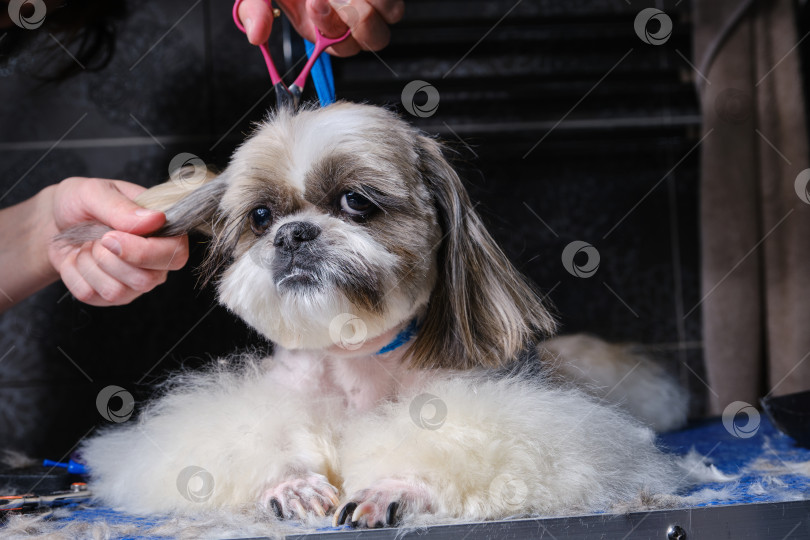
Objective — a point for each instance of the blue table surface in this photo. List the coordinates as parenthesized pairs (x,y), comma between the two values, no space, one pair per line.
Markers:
(729,453)
(732,455)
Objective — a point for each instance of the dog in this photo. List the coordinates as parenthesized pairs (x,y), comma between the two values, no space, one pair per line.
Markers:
(410,376)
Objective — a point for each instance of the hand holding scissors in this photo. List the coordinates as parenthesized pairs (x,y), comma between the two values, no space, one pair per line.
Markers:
(290,96)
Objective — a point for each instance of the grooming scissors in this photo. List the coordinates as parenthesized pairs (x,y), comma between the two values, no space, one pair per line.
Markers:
(289,96)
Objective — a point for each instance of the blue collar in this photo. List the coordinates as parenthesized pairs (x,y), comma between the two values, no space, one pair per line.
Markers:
(403,337)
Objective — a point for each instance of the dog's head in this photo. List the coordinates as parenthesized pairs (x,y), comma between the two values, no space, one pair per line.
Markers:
(348,211)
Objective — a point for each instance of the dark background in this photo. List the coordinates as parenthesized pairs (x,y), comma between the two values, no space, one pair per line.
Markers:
(566,124)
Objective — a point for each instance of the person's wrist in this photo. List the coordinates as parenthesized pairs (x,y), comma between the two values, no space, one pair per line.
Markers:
(43,229)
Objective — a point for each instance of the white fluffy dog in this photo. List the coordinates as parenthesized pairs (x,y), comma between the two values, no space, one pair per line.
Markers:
(409,376)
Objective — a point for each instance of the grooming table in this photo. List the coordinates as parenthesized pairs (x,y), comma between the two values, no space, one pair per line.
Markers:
(759,505)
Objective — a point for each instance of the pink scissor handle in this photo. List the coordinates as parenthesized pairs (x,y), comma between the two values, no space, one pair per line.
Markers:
(275,78)
(321,43)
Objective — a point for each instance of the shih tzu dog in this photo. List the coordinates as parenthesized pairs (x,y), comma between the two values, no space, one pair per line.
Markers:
(410,376)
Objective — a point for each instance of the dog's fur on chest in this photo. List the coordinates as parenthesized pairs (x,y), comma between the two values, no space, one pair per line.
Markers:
(333,231)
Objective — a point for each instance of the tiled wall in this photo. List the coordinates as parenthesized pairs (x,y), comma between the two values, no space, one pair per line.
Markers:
(567,125)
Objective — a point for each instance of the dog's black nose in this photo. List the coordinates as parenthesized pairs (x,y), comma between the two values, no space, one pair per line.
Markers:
(292,235)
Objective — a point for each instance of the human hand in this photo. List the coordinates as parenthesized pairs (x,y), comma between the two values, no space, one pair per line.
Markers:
(120,266)
(367,19)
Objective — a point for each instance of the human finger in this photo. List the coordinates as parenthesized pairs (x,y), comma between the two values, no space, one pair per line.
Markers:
(104,201)
(257,18)
(149,253)
(110,290)
(369,30)
(140,280)
(391,11)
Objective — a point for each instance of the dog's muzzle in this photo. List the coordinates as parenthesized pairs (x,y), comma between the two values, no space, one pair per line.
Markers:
(290,236)
(294,265)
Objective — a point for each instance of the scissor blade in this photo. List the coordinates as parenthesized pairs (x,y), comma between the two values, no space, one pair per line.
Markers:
(295,91)
(285,98)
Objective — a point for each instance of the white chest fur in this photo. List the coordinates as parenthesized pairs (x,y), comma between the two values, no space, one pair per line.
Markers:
(362,381)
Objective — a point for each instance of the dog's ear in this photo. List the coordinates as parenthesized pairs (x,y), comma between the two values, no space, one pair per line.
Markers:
(190,202)
(482,311)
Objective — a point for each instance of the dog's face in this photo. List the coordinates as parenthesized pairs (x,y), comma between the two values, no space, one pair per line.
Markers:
(348,211)
(325,213)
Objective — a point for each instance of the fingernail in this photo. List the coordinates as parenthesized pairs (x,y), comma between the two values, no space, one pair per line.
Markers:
(145,212)
(340,3)
(112,244)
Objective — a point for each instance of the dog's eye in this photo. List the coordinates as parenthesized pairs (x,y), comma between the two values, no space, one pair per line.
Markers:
(355,204)
(260,219)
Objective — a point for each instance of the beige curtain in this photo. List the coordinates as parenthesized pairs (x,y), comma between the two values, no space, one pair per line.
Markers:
(755,228)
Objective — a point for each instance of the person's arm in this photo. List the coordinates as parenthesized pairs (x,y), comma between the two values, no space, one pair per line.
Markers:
(111,271)
(367,19)
(24,264)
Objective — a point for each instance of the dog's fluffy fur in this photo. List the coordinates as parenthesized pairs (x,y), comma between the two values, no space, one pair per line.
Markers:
(472,418)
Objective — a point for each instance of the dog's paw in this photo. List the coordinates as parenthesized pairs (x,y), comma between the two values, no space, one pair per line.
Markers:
(384,505)
(298,497)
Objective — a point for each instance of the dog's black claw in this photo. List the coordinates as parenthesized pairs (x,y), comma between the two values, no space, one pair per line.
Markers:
(276,506)
(391,517)
(346,513)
